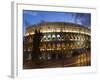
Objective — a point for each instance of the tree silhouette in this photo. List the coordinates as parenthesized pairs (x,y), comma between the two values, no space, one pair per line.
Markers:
(36,44)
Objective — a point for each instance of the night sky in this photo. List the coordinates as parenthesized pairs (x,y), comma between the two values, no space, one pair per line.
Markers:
(31,17)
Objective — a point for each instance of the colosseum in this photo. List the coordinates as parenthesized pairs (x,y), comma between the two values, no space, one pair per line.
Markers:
(56,44)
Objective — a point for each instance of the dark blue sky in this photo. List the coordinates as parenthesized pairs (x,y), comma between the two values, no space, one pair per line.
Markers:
(31,17)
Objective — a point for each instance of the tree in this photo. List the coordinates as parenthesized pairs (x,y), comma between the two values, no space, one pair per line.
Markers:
(36,44)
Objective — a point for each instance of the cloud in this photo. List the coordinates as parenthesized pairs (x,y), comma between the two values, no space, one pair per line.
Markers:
(30,13)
